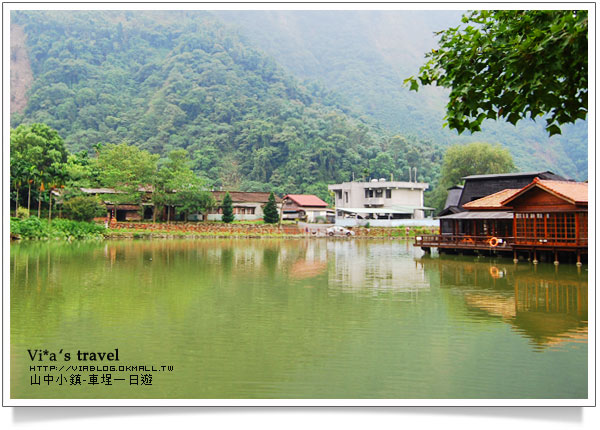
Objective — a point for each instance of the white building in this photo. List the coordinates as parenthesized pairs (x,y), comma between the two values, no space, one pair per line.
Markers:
(380,200)
(247,206)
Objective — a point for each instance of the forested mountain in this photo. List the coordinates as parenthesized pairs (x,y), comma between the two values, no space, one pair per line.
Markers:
(167,80)
(282,101)
(366,55)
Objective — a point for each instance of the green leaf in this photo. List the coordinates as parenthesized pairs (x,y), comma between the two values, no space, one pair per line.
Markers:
(553,129)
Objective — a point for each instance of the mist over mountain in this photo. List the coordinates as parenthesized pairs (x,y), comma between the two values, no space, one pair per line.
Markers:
(273,100)
(365,57)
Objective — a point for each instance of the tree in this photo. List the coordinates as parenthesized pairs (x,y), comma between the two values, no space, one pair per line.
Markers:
(271,216)
(177,185)
(227,206)
(84,208)
(190,195)
(512,64)
(38,155)
(472,159)
(125,168)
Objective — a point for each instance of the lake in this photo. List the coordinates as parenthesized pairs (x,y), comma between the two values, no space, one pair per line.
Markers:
(303,318)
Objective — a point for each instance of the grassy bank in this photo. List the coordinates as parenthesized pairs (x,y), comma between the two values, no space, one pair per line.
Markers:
(34,228)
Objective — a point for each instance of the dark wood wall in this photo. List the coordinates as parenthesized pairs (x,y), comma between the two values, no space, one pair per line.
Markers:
(477,188)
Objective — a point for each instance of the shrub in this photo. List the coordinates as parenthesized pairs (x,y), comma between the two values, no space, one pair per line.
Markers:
(69,229)
(34,228)
(84,208)
(22,213)
(30,228)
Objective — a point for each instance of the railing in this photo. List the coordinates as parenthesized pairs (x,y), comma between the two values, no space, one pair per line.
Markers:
(467,241)
(374,201)
(552,241)
(463,241)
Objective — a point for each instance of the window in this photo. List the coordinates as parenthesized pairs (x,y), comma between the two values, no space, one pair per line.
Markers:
(570,225)
(388,194)
(379,192)
(338,194)
(346,196)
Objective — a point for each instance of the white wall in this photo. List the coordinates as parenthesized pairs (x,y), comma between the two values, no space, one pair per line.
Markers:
(351,222)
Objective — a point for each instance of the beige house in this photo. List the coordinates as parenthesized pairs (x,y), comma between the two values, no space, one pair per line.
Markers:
(247,206)
(380,199)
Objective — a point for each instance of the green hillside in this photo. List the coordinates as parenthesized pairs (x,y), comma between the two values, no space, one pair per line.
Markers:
(365,57)
(167,80)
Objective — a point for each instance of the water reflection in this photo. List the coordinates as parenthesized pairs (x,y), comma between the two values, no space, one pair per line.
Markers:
(305,318)
(385,267)
(546,304)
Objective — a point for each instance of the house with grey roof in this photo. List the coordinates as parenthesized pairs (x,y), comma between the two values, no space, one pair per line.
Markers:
(380,199)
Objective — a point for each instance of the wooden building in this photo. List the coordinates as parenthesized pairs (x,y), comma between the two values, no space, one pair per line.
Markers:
(550,216)
(452,201)
(543,220)
(124,210)
(478,186)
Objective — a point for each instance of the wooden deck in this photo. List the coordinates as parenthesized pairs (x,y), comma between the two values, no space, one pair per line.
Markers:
(463,242)
(506,244)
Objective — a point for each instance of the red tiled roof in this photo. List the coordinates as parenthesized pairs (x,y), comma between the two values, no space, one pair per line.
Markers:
(493,201)
(573,192)
(306,200)
(244,197)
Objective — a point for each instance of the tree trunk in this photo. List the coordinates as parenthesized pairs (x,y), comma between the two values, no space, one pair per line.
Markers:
(168,215)
(39,203)
(17,203)
(29,199)
(50,206)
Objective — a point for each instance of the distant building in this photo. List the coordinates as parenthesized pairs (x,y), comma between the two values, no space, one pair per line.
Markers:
(452,201)
(247,206)
(125,211)
(380,199)
(305,207)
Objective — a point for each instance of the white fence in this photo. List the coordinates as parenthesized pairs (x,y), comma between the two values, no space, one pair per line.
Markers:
(351,222)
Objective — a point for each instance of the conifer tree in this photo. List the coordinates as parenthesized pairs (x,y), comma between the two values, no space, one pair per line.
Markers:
(227,209)
(270,210)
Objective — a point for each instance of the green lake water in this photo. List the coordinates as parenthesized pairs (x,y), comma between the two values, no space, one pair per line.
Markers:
(314,318)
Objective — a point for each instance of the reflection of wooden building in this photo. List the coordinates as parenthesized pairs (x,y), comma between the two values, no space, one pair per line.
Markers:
(546,305)
(543,219)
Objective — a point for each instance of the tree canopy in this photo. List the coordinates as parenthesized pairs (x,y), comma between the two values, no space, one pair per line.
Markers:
(472,159)
(271,215)
(125,167)
(227,207)
(512,64)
